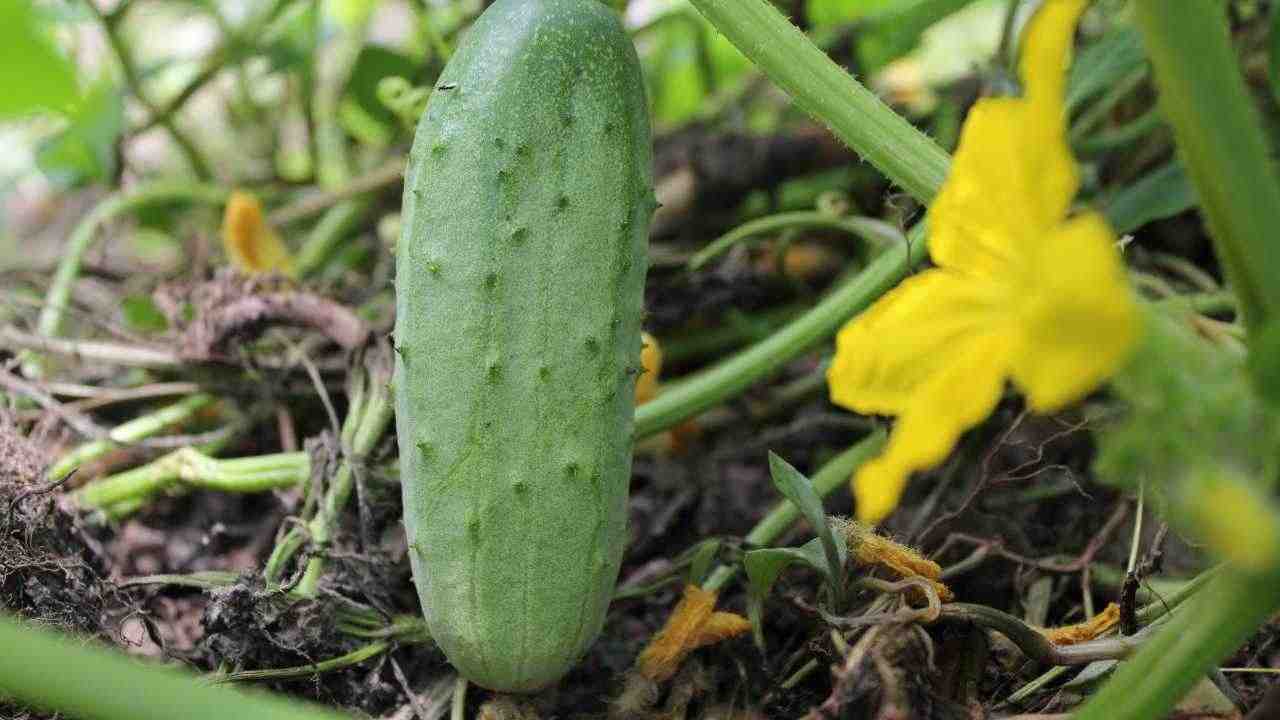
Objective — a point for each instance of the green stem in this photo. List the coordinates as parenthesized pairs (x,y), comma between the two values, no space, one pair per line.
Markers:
(191,467)
(131,432)
(1223,614)
(37,665)
(878,232)
(369,425)
(355,657)
(823,89)
(54,312)
(734,375)
(835,474)
(1205,101)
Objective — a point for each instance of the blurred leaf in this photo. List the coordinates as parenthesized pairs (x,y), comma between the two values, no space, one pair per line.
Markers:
(295,43)
(1102,64)
(686,61)
(828,13)
(797,488)
(1187,403)
(34,74)
(141,315)
(362,112)
(405,100)
(700,563)
(949,49)
(156,249)
(1161,193)
(1273,48)
(897,30)
(85,150)
(351,13)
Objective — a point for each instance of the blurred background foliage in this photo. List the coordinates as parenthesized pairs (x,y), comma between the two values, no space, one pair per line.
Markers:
(101,92)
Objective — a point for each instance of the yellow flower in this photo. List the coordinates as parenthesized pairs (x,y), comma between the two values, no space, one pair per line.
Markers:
(1020,290)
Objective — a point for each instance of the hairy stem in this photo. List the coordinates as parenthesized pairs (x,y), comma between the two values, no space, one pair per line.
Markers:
(822,88)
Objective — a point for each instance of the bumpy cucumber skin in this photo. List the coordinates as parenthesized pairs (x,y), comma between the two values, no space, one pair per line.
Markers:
(520,274)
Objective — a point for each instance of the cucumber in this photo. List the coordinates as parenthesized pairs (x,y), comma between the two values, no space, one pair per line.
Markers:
(519,283)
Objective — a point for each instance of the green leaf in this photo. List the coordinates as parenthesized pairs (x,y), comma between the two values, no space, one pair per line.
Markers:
(797,488)
(763,568)
(351,13)
(1273,52)
(1102,64)
(85,150)
(828,13)
(142,315)
(362,112)
(897,30)
(704,553)
(1161,193)
(296,39)
(110,685)
(34,74)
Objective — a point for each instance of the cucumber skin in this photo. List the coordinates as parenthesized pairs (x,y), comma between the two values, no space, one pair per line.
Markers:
(520,277)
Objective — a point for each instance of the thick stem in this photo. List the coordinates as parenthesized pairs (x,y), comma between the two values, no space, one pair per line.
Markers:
(905,155)
(193,468)
(1205,101)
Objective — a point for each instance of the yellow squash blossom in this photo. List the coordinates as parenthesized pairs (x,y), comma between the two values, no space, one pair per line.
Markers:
(1021,290)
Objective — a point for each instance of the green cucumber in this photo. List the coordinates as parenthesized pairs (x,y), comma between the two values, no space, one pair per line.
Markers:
(520,274)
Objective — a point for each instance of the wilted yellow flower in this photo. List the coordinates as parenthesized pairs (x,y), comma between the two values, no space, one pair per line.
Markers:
(1090,629)
(692,625)
(1021,291)
(251,244)
(650,369)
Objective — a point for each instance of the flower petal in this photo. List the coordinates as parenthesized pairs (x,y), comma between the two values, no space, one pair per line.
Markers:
(1046,50)
(896,348)
(1013,175)
(1079,318)
(957,397)
(252,246)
